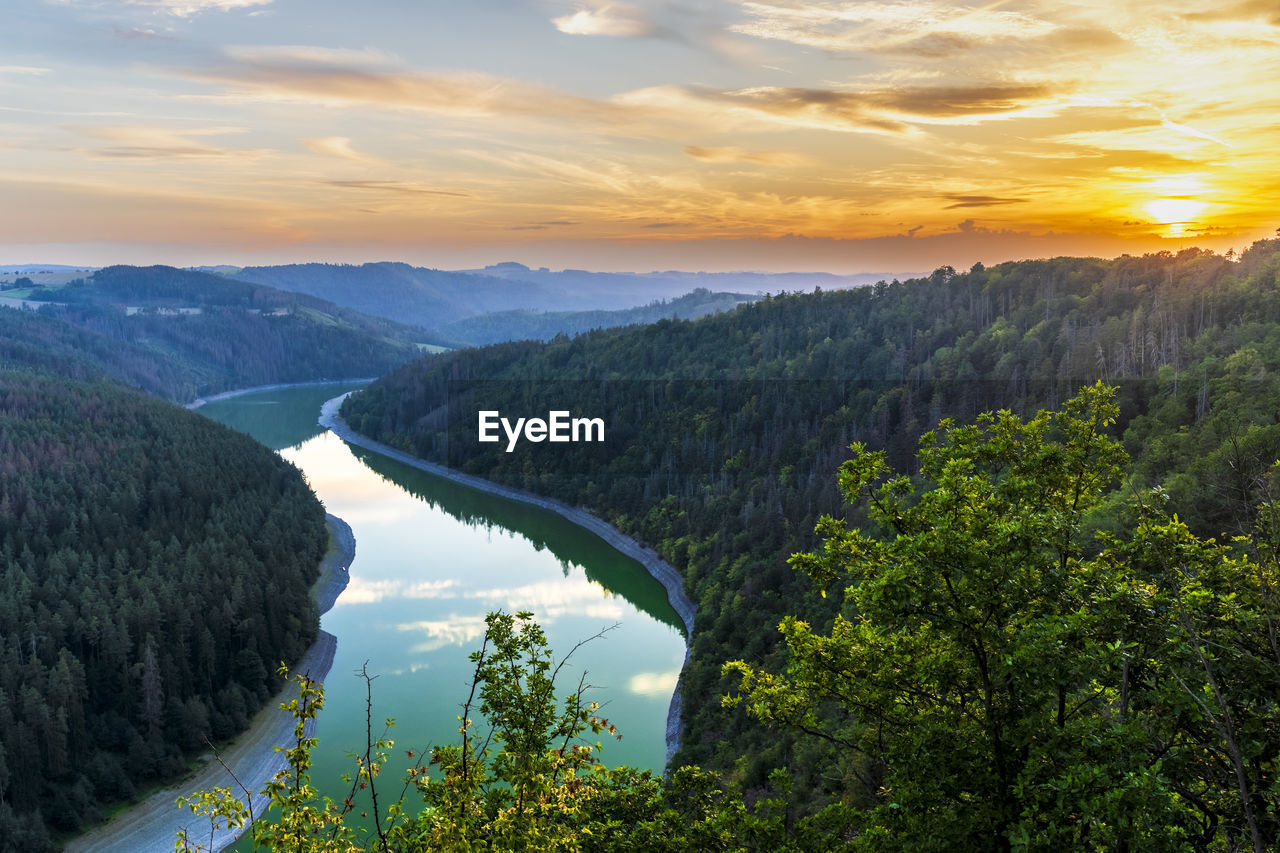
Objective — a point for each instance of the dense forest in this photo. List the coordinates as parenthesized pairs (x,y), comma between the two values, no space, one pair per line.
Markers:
(998,676)
(156,567)
(724,436)
(181,334)
(499,326)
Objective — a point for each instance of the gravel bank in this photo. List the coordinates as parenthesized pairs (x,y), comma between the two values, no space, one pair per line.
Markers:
(152,825)
(661,570)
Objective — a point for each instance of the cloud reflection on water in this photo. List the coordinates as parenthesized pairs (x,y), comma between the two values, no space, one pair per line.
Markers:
(367,591)
(453,631)
(552,599)
(653,683)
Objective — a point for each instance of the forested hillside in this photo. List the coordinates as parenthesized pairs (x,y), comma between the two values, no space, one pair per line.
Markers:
(724,434)
(181,334)
(156,567)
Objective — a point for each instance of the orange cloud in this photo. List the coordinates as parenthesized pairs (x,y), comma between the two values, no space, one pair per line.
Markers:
(885,110)
(395,187)
(734,154)
(979,201)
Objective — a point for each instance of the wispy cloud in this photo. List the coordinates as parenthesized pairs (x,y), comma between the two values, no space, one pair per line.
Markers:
(396,187)
(155,143)
(1250,10)
(186,8)
(1193,132)
(337,146)
(1150,140)
(542,226)
(27,70)
(176,8)
(979,201)
(324,76)
(605,19)
(931,27)
(138,34)
(733,154)
(307,53)
(884,110)
(318,78)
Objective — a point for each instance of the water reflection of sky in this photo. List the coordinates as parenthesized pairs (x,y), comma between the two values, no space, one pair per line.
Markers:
(421,584)
(432,558)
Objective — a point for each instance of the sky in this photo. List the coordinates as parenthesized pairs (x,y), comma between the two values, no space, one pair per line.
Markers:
(709,135)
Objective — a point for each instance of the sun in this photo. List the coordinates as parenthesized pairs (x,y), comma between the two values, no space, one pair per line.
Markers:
(1175,214)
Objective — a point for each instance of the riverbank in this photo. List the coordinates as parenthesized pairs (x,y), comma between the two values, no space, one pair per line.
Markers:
(661,570)
(152,825)
(240,392)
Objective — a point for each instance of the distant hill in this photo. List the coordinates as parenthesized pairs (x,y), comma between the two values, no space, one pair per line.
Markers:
(424,297)
(40,274)
(568,301)
(26,269)
(219,269)
(670,283)
(181,334)
(543,326)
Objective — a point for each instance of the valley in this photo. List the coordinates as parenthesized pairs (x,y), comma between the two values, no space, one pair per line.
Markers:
(637,426)
(725,436)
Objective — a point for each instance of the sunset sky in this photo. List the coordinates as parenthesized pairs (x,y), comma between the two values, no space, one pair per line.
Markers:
(718,135)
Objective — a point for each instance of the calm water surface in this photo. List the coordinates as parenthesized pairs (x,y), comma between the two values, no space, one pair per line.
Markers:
(432,558)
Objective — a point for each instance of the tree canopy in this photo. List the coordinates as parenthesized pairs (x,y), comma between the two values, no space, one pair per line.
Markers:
(995,681)
(154,566)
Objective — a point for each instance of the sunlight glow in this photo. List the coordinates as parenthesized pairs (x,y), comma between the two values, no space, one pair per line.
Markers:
(1175,213)
(626,134)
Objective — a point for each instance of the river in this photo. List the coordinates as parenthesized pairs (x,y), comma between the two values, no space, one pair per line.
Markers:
(432,558)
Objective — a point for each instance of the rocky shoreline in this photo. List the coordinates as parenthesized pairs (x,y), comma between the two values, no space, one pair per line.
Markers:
(661,570)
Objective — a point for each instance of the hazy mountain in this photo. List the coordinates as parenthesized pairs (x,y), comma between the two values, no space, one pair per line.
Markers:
(671,283)
(424,297)
(532,325)
(25,269)
(530,303)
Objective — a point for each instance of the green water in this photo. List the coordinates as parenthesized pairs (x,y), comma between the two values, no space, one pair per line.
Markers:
(432,558)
